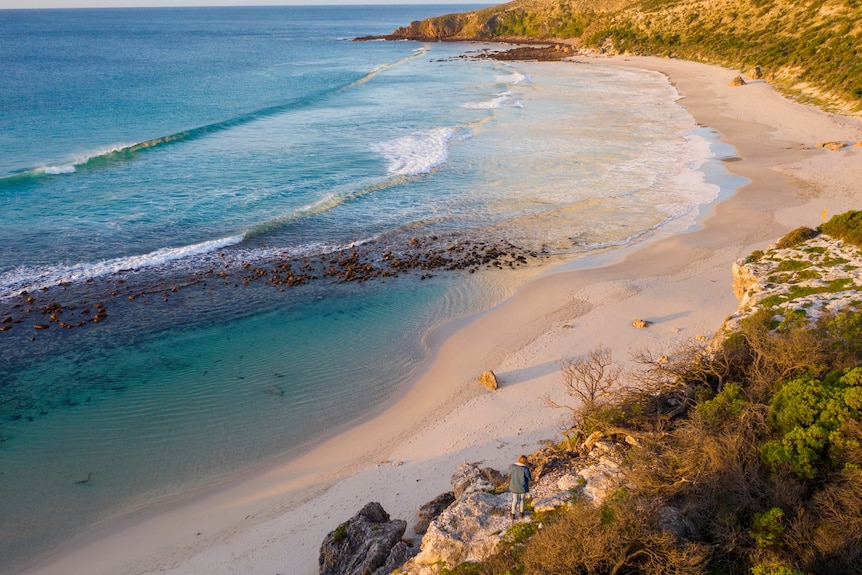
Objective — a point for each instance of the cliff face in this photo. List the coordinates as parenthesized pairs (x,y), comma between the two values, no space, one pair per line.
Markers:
(469,26)
(518,20)
(807,48)
(799,282)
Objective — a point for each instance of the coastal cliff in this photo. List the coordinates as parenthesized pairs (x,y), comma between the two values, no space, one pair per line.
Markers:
(807,49)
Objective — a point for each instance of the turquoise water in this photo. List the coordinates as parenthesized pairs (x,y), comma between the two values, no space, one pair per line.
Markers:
(163,172)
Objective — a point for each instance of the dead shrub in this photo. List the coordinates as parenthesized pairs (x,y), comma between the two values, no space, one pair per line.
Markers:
(621,536)
(694,364)
(589,381)
(770,357)
(827,534)
(712,473)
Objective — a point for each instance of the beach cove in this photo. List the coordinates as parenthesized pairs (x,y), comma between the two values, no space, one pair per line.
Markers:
(273,520)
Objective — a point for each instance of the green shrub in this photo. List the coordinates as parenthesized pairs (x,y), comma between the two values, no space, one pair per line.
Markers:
(340,533)
(796,237)
(844,330)
(521,531)
(754,257)
(768,527)
(727,405)
(774,570)
(808,415)
(846,227)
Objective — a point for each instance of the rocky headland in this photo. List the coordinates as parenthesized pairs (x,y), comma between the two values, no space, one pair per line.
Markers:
(806,49)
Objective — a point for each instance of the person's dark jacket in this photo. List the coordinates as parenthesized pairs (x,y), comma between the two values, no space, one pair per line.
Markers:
(519,478)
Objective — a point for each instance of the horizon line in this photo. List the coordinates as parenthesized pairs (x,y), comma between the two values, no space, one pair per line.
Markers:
(255,4)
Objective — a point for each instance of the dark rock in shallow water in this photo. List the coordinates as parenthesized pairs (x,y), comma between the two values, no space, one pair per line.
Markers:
(367,544)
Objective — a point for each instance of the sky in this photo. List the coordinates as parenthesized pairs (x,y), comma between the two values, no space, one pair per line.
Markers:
(136,3)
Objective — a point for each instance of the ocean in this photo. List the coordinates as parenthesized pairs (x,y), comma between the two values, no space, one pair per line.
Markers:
(229,232)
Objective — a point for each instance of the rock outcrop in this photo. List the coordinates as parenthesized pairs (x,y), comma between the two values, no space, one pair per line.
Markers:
(367,544)
(468,530)
(816,276)
(470,477)
(476,524)
(431,510)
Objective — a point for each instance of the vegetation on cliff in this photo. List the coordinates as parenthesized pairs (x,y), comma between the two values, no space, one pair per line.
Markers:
(742,457)
(811,49)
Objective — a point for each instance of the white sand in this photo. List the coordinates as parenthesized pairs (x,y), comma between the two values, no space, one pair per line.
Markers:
(273,521)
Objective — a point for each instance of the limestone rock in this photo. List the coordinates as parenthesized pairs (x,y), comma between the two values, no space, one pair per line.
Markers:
(822,259)
(367,544)
(431,510)
(489,380)
(468,530)
(400,554)
(569,482)
(743,280)
(831,146)
(497,479)
(640,323)
(551,502)
(470,477)
(472,528)
(602,479)
(737,81)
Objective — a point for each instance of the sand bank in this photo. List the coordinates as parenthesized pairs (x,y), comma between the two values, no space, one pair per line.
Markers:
(272,521)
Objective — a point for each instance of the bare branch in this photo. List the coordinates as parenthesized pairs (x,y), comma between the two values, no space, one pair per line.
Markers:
(590,379)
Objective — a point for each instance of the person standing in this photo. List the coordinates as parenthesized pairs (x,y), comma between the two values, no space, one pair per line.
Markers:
(519,485)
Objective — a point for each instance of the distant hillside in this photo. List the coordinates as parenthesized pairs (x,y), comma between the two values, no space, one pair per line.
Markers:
(811,49)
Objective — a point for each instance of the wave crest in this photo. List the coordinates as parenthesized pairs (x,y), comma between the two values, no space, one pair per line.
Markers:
(16,281)
(420,152)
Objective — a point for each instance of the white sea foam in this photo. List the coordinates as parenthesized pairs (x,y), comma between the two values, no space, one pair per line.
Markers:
(306,250)
(514,79)
(420,152)
(71,167)
(57,170)
(506,99)
(29,278)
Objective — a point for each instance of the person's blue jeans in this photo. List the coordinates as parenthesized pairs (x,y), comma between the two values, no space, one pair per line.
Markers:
(518,503)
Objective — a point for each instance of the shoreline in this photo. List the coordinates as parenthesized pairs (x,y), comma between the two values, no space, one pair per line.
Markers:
(273,520)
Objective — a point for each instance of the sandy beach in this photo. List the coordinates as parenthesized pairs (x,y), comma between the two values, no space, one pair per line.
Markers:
(269,521)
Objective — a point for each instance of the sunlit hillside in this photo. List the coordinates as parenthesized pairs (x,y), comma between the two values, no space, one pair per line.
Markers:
(811,49)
